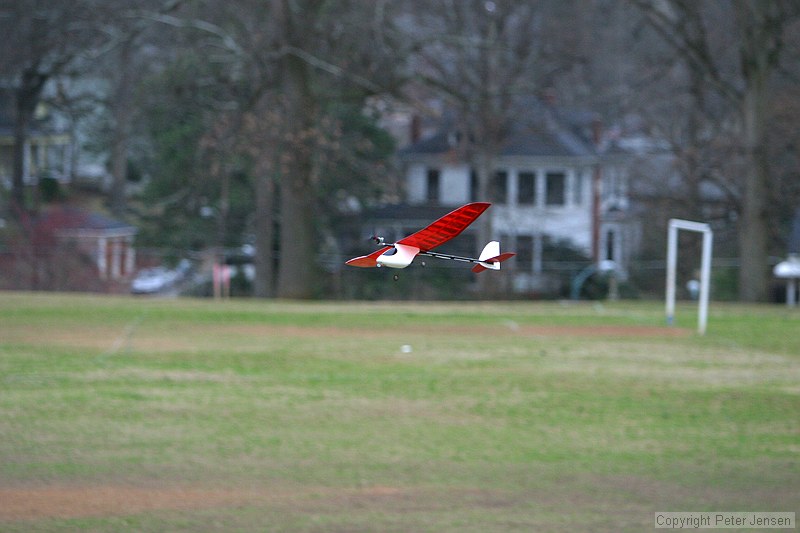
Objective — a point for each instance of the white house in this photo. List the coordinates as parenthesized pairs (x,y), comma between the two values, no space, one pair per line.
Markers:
(552,182)
(46,151)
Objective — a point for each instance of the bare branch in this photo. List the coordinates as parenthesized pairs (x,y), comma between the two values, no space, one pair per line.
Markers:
(227,39)
(330,68)
(679,23)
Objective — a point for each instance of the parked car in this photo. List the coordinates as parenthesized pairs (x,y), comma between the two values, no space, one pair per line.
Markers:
(154,280)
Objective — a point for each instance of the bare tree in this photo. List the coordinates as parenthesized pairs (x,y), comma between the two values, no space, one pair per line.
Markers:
(488,59)
(47,40)
(128,51)
(290,64)
(757,37)
(41,39)
(480,55)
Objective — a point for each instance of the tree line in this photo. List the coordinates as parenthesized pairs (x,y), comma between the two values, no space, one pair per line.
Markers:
(265,115)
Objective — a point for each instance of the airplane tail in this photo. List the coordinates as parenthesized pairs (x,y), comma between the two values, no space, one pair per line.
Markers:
(491,257)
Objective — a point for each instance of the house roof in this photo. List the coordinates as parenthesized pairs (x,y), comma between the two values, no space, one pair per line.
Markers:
(537,131)
(68,220)
(545,140)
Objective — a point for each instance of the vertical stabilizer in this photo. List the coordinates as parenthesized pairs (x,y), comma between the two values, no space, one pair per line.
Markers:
(490,250)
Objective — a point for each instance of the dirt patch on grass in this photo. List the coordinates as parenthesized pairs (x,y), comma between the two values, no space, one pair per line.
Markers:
(191,337)
(510,328)
(108,500)
(73,501)
(578,500)
(607,331)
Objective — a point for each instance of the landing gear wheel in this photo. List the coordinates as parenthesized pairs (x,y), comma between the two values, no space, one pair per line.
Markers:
(396,277)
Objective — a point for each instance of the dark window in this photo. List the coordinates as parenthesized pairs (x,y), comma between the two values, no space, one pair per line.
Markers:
(473,185)
(526,193)
(433,185)
(524,253)
(499,189)
(465,245)
(555,192)
(610,245)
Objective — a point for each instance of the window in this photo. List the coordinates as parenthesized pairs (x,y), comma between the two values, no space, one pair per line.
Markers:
(499,188)
(432,184)
(524,253)
(473,185)
(610,245)
(555,185)
(526,193)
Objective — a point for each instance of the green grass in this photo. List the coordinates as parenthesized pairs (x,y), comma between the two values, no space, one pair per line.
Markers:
(193,415)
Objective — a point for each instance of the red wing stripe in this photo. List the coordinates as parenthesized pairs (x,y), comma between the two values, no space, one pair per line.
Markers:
(446,228)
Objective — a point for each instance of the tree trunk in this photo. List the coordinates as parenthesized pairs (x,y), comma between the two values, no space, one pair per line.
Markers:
(265,195)
(122,124)
(297,267)
(27,98)
(760,30)
(18,175)
(753,227)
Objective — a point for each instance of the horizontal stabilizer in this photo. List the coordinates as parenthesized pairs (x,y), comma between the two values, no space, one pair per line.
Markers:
(492,263)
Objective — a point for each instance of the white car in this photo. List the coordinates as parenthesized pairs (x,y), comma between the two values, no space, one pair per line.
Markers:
(153,280)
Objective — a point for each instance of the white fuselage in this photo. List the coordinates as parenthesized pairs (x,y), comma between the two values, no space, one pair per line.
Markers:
(400,256)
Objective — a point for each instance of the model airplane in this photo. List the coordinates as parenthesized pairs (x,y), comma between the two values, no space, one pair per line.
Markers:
(403,252)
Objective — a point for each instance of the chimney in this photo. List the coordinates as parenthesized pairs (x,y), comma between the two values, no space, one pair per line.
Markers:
(549,97)
(597,131)
(415,130)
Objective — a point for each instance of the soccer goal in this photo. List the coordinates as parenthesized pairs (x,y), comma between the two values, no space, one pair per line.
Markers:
(705,268)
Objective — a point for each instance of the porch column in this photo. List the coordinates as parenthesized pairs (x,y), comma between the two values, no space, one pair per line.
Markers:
(537,253)
(116,263)
(26,162)
(102,262)
(130,256)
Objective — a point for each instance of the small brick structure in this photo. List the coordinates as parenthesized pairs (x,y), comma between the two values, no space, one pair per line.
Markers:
(68,248)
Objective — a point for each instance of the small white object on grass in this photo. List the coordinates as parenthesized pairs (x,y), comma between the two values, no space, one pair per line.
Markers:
(406,348)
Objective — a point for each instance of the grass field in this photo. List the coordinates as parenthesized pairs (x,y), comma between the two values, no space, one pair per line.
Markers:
(132,414)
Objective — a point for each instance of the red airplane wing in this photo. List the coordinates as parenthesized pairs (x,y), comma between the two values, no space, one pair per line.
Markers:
(447,227)
(368,261)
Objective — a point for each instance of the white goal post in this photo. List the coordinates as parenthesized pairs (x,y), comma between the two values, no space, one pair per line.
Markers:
(705,268)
